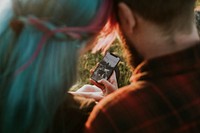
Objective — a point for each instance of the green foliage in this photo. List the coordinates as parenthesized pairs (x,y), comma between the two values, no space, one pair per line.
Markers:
(89,60)
(198,3)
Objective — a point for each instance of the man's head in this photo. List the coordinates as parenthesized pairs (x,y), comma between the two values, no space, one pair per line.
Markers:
(163,12)
(140,18)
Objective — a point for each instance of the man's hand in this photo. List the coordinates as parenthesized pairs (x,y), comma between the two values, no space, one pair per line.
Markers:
(105,87)
(90,91)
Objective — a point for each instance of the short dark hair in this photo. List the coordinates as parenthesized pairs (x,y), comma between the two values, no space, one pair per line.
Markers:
(163,12)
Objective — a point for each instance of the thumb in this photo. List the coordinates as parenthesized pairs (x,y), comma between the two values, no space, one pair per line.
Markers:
(109,88)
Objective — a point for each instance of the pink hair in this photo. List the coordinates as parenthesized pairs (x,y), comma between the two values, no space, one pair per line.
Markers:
(109,32)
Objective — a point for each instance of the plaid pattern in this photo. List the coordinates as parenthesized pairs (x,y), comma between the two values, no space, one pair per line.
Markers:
(163,98)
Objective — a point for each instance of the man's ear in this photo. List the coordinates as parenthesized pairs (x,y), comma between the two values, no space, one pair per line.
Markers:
(126,18)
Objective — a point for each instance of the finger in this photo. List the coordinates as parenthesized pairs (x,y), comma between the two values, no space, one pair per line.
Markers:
(108,86)
(113,79)
(96,96)
(85,88)
(91,71)
(89,88)
(101,86)
(106,83)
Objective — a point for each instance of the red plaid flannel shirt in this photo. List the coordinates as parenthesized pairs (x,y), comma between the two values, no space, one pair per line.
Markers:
(165,98)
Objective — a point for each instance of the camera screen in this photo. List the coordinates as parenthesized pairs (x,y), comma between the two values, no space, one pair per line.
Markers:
(105,67)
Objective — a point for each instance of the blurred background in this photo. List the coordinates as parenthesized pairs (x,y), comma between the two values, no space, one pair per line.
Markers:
(198,3)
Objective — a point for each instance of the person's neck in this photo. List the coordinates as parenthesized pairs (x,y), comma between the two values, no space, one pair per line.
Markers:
(156,44)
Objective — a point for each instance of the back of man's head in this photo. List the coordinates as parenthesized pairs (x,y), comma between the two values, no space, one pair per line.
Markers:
(163,12)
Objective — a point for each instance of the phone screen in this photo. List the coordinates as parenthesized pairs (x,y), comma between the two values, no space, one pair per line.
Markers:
(105,67)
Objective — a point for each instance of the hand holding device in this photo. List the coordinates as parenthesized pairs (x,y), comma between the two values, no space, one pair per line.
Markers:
(104,70)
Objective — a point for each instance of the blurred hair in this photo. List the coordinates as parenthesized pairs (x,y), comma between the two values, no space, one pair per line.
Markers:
(39,45)
(168,14)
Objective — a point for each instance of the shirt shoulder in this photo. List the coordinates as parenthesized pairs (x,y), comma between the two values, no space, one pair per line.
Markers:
(119,111)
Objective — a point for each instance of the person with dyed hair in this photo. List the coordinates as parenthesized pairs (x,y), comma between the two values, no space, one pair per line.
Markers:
(40,42)
(163,49)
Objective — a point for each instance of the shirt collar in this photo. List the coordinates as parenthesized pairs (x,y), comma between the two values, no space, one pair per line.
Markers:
(168,65)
